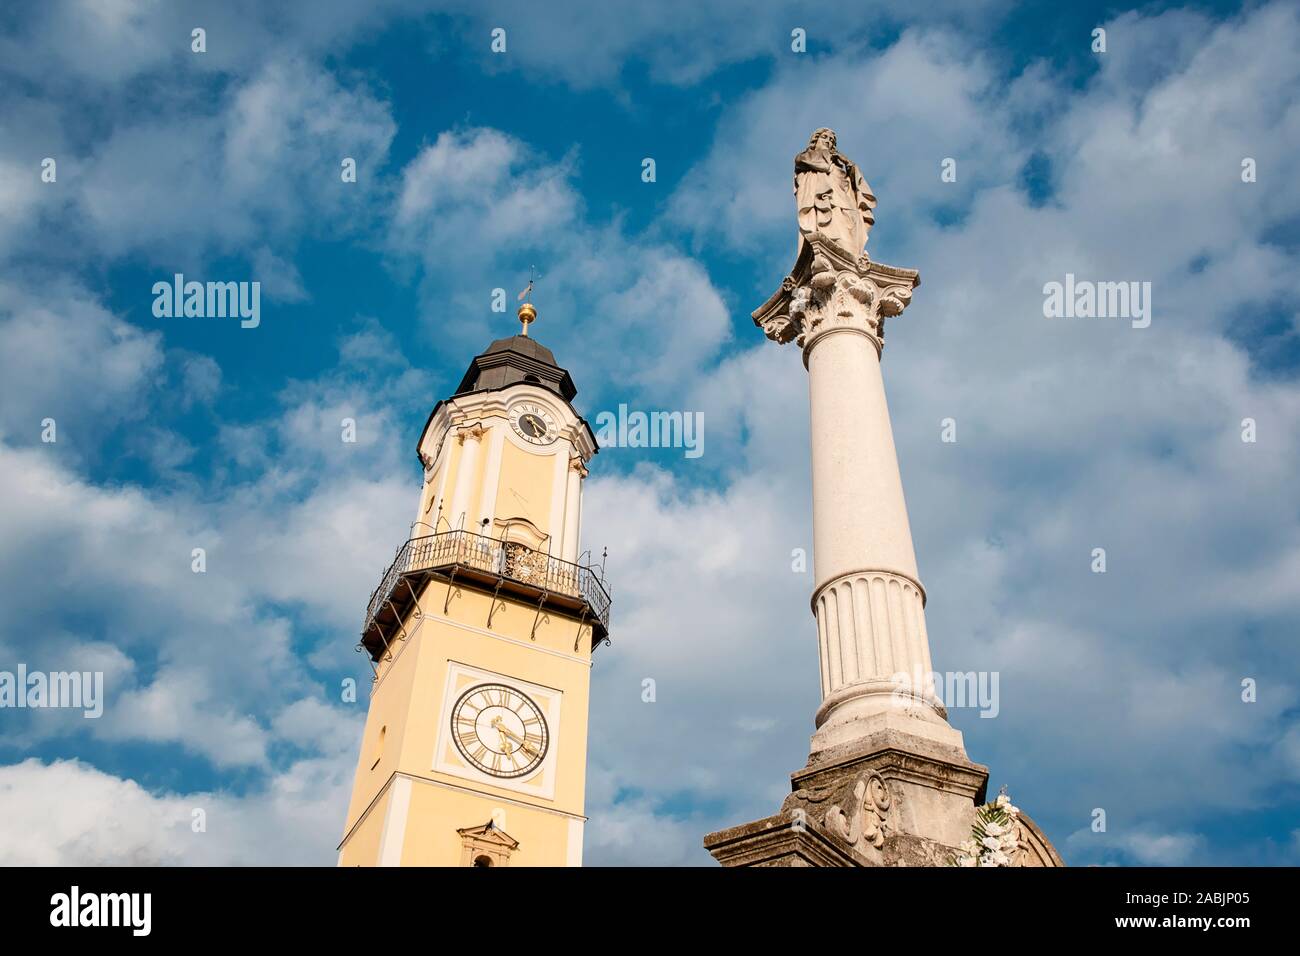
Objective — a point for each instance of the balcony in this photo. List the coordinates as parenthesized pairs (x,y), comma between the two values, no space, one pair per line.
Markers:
(502,567)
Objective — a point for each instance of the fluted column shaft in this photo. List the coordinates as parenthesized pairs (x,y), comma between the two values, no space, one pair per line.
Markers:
(867,597)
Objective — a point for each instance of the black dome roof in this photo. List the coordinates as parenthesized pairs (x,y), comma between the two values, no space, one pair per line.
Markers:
(514,360)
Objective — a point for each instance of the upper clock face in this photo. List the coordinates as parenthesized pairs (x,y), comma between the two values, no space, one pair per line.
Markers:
(500,730)
(533,423)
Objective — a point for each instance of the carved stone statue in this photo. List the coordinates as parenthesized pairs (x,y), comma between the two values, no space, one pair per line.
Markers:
(832,197)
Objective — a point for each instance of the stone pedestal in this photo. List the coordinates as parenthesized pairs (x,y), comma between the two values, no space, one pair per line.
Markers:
(890,799)
(887,799)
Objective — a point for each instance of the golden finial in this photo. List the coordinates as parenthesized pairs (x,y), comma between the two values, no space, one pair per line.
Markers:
(527,313)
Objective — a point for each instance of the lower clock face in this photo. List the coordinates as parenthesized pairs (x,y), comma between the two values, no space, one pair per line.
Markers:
(500,730)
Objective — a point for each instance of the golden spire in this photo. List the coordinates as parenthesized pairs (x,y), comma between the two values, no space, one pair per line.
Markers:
(526,311)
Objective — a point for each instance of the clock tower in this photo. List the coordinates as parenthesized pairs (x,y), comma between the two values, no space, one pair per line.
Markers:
(480,634)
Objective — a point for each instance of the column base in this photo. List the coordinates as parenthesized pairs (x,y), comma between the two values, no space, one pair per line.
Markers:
(932,785)
(891,798)
(779,841)
(865,708)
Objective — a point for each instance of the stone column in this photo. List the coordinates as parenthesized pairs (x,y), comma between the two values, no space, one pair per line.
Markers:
(867,596)
(573,508)
(887,782)
(469,438)
(487,496)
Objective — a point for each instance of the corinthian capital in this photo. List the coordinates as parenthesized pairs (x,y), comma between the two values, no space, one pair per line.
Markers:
(828,291)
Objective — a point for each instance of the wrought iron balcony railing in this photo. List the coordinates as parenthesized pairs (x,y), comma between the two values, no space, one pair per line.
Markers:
(525,569)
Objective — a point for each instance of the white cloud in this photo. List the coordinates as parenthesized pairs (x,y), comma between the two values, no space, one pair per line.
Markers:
(279,278)
(618,834)
(740,193)
(98,47)
(175,188)
(476,195)
(223,657)
(66,813)
(60,335)
(677,41)
(681,42)
(1139,848)
(200,379)
(522,208)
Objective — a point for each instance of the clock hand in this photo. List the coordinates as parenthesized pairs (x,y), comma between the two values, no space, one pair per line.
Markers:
(496,723)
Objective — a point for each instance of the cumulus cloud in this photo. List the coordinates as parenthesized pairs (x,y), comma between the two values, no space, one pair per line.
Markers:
(53,814)
(740,193)
(200,379)
(64,334)
(99,48)
(176,188)
(222,655)
(1138,848)
(476,203)
(682,43)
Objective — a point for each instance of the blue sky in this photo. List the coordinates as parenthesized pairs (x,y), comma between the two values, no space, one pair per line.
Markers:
(1119,691)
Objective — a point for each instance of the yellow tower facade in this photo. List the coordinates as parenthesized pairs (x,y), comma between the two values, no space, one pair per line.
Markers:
(481,634)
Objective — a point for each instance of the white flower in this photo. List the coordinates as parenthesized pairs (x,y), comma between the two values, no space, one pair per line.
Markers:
(991,843)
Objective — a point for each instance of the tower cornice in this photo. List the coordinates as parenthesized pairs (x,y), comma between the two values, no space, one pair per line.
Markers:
(494,403)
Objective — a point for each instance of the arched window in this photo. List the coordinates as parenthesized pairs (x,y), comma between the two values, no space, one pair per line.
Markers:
(482,861)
